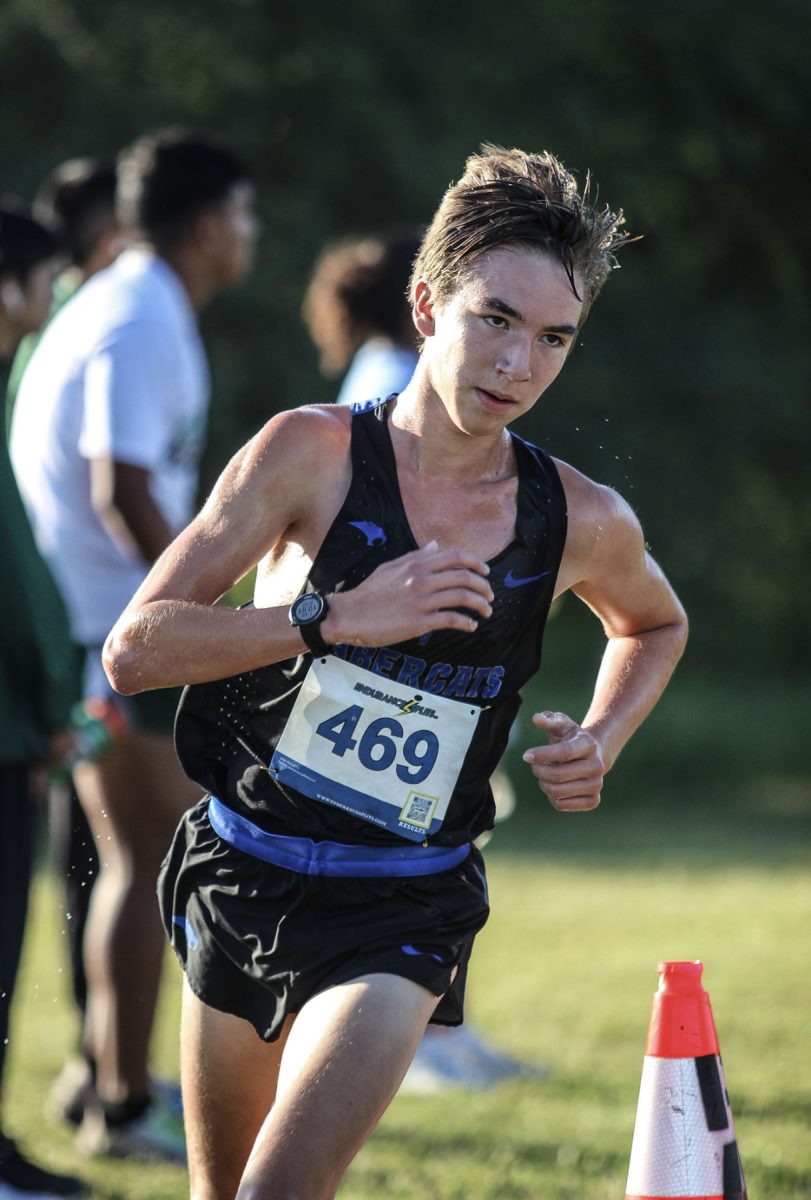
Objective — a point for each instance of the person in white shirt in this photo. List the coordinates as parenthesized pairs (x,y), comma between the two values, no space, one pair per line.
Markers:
(107,433)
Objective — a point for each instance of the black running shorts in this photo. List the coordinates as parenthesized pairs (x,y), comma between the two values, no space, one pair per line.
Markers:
(259,940)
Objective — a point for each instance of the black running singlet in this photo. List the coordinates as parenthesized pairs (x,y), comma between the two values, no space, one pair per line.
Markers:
(226,731)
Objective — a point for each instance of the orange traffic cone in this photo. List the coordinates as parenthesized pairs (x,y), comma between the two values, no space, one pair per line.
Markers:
(684,1140)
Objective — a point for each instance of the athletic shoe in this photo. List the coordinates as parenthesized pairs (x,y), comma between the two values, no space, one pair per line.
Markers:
(22,1180)
(170,1095)
(156,1134)
(458,1058)
(72,1092)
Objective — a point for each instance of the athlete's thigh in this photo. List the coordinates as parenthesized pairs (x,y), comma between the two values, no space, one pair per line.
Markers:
(229,1083)
(345,1058)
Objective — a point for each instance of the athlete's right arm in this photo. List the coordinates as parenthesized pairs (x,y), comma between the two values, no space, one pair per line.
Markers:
(172,632)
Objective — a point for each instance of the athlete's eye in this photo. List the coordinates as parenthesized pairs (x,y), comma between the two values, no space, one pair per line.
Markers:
(497,322)
(552,339)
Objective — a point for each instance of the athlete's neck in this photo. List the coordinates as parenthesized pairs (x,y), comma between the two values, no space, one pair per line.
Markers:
(431,445)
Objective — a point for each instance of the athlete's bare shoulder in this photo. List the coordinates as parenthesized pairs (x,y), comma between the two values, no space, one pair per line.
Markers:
(600,523)
(313,429)
(295,450)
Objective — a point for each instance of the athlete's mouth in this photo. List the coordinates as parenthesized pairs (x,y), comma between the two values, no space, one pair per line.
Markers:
(496,399)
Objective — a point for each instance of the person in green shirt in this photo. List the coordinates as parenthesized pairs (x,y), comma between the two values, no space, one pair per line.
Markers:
(38,669)
(76,202)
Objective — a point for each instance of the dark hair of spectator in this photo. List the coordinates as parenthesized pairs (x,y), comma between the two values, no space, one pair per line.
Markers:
(24,242)
(358,291)
(77,202)
(166,180)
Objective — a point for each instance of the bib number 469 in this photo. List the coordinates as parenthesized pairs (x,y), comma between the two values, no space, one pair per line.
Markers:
(381,743)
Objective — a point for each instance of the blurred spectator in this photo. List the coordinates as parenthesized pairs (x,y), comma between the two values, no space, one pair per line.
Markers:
(358,316)
(38,678)
(76,202)
(107,433)
(27,266)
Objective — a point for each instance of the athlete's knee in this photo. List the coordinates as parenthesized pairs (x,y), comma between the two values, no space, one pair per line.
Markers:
(275,1181)
(206,1191)
(277,1190)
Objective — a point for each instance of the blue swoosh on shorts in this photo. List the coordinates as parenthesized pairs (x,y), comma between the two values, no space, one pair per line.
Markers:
(192,941)
(415,953)
(511,581)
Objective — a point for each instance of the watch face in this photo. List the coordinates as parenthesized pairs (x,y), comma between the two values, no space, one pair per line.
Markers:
(308,608)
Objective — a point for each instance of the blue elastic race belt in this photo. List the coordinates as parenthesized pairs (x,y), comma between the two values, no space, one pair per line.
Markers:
(330,858)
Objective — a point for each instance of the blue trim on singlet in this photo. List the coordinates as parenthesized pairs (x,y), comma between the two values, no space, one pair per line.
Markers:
(330,858)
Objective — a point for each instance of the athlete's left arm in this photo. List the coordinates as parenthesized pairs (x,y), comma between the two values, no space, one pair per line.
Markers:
(607,565)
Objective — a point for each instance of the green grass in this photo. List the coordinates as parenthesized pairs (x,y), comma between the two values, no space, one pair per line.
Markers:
(677,863)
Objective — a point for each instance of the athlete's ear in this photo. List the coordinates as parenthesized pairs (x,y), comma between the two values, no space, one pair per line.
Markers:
(422,310)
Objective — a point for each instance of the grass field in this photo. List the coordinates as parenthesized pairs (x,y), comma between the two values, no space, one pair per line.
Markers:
(675,864)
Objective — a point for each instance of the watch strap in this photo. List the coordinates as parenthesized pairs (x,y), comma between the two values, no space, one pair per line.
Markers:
(312,637)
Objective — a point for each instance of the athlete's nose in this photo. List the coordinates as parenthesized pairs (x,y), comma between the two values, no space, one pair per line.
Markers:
(514,361)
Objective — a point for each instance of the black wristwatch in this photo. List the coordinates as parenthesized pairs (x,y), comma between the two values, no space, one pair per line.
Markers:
(306,614)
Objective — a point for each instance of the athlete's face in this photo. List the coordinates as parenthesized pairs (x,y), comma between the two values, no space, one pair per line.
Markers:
(495,345)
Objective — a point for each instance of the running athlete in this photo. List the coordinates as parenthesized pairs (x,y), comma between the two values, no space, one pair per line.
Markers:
(324,897)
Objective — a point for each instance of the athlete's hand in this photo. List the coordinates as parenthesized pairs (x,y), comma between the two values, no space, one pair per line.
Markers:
(412,595)
(570,770)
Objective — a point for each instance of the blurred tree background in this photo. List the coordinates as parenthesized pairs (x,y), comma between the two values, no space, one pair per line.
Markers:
(689,390)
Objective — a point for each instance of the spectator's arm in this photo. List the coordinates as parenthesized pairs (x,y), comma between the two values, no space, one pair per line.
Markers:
(122,499)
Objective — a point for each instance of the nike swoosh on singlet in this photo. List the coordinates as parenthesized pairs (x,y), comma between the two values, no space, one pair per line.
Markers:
(375,536)
(415,953)
(192,941)
(511,581)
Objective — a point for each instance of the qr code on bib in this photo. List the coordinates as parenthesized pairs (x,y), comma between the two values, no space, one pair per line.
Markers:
(418,810)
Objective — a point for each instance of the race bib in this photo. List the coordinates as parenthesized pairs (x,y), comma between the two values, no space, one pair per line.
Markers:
(379,750)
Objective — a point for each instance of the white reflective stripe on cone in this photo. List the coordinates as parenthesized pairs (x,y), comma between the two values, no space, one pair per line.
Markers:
(674,1152)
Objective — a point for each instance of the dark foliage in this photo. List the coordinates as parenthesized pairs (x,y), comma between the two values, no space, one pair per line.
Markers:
(688,391)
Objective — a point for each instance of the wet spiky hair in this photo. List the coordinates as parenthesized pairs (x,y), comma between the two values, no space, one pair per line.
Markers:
(510,197)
